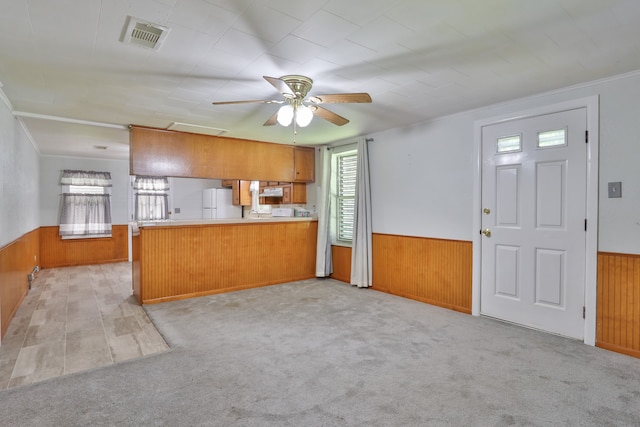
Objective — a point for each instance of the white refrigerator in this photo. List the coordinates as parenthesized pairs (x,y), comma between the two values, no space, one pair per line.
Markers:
(217,203)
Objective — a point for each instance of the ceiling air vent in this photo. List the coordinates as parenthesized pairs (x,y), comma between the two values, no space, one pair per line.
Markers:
(143,33)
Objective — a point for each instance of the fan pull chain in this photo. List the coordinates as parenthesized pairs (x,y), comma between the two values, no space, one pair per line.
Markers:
(295,125)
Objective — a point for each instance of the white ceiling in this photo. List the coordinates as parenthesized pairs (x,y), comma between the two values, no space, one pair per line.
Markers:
(65,71)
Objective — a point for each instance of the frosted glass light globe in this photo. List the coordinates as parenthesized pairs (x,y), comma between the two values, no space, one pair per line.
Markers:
(285,115)
(303,116)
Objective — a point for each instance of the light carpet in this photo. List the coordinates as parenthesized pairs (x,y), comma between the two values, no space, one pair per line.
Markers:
(322,353)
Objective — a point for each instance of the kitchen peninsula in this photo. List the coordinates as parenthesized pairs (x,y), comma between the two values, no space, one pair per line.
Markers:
(182,259)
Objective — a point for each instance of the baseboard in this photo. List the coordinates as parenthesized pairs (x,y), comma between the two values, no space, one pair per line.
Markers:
(618,349)
(221,291)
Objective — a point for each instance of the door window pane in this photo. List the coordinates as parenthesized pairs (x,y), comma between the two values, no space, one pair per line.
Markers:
(509,144)
(552,138)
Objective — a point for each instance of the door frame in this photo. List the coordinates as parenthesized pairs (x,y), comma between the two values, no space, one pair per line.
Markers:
(591,104)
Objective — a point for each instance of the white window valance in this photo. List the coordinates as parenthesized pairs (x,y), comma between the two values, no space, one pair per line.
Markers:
(92,178)
(151,183)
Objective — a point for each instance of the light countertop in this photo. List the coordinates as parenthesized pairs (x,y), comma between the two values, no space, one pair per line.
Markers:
(257,220)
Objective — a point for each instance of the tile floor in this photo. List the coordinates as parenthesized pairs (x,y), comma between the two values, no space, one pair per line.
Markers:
(74,319)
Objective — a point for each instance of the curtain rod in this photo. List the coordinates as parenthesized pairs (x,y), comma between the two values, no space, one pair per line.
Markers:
(329,147)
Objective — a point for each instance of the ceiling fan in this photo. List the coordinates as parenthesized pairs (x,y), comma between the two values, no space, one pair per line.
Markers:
(298,108)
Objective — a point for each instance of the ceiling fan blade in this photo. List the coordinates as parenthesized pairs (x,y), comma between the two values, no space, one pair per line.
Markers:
(280,85)
(272,120)
(253,101)
(340,98)
(329,115)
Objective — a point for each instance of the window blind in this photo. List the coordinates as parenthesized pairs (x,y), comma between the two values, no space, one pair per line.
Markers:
(346,192)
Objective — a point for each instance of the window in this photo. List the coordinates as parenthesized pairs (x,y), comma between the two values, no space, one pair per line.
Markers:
(345,195)
(86,204)
(86,189)
(552,138)
(509,144)
(151,198)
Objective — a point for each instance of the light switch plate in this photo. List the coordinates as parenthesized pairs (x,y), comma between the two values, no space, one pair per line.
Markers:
(615,189)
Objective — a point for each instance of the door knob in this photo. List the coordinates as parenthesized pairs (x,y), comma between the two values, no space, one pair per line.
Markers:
(486,211)
(486,232)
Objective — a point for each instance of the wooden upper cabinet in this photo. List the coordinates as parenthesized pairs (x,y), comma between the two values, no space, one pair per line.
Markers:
(241,192)
(155,152)
(292,193)
(298,193)
(252,160)
(159,152)
(305,164)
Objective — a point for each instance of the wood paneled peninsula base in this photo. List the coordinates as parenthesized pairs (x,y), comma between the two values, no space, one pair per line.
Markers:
(183,259)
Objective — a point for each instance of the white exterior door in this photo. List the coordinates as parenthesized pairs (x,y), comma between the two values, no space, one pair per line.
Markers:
(533,196)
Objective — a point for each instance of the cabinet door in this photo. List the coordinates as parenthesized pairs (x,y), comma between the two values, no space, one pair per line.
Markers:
(259,161)
(235,192)
(227,182)
(299,193)
(305,164)
(240,193)
(286,195)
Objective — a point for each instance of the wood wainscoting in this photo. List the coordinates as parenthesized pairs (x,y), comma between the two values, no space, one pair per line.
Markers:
(618,312)
(341,261)
(182,261)
(56,252)
(434,271)
(17,260)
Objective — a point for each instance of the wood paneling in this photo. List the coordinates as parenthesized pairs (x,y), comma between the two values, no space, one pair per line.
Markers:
(341,261)
(17,260)
(434,271)
(168,153)
(56,252)
(618,305)
(186,261)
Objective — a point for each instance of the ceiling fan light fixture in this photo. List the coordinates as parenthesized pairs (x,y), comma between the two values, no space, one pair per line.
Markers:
(294,89)
(285,115)
(303,116)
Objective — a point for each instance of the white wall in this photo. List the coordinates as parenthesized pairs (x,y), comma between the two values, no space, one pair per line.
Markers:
(186,194)
(19,176)
(52,166)
(421,180)
(422,176)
